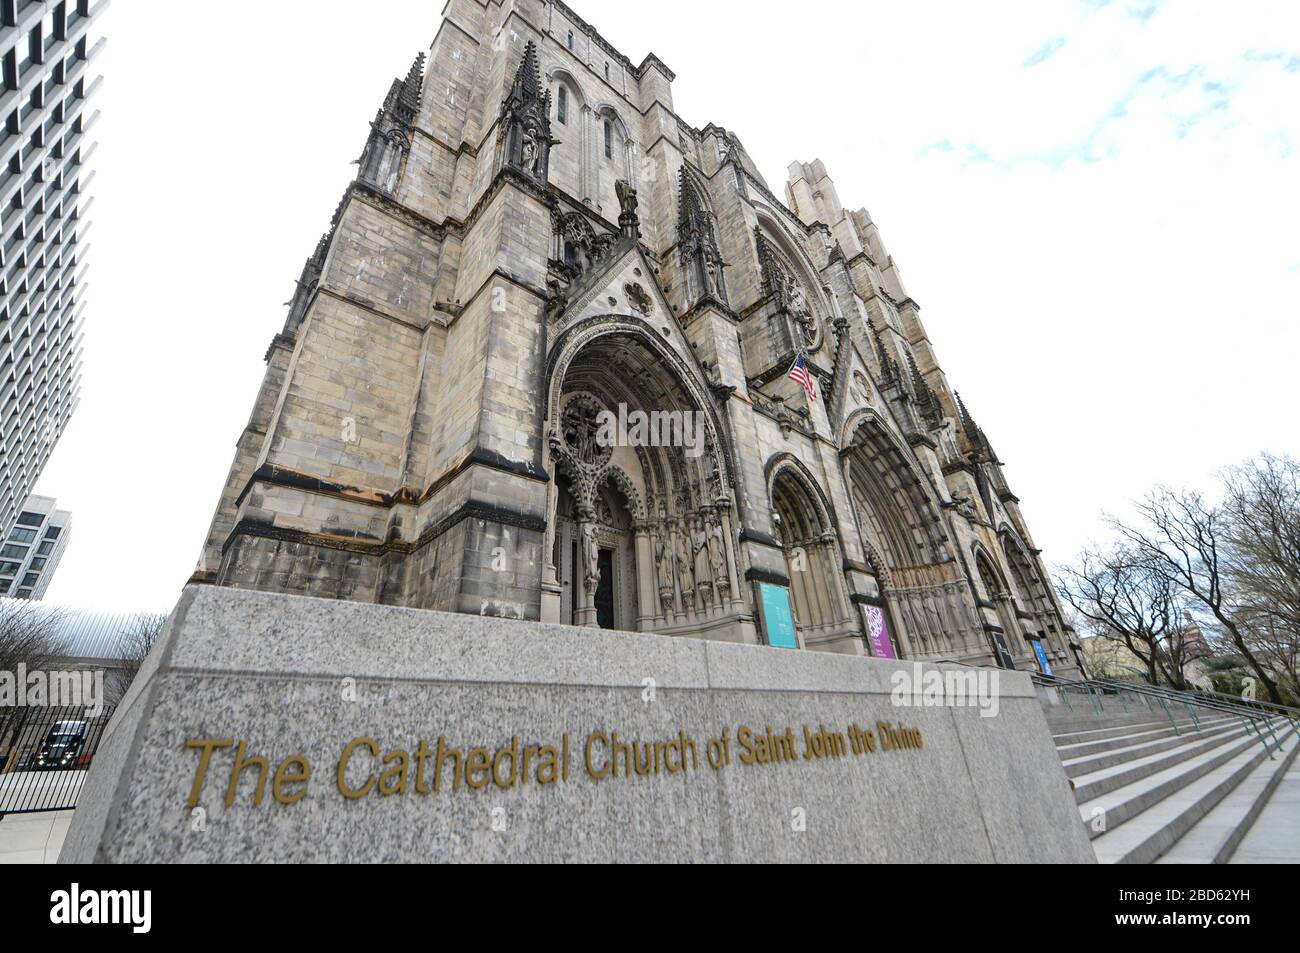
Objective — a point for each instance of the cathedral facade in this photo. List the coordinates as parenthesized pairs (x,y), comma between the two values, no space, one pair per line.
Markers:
(538,368)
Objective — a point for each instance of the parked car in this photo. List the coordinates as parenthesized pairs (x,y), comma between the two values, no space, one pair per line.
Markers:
(62,746)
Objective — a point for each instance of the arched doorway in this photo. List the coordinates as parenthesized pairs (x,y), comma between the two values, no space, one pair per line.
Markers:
(812,558)
(641,534)
(1036,600)
(1010,639)
(908,547)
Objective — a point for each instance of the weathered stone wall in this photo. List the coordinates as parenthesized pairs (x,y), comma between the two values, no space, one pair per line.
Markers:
(400,435)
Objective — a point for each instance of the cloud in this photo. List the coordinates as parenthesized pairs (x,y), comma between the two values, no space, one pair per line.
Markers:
(1044,52)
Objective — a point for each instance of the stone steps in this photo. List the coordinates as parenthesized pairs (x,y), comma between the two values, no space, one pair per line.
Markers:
(1210,742)
(1214,837)
(1153,791)
(1122,747)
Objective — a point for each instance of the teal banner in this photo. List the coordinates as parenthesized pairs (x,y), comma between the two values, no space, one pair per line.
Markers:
(778,621)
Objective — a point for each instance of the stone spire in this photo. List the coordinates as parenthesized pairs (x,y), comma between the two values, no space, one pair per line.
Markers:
(974,435)
(698,243)
(889,372)
(926,399)
(390,133)
(526,120)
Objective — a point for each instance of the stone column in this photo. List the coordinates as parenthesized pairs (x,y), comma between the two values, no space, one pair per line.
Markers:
(728,548)
(647,592)
(551,589)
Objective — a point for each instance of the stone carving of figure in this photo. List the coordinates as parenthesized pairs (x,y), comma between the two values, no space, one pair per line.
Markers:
(700,548)
(530,151)
(590,557)
(685,577)
(797,303)
(711,276)
(627,200)
(664,568)
(718,560)
(581,431)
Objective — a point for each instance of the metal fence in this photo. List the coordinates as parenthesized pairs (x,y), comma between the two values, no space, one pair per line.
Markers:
(45,753)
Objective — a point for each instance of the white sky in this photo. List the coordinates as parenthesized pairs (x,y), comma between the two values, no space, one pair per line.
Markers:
(1095,205)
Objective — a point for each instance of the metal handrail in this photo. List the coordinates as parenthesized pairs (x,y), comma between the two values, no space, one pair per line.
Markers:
(1247,709)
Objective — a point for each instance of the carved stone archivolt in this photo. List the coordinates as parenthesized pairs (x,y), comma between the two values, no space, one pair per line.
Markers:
(678,499)
(782,281)
(580,426)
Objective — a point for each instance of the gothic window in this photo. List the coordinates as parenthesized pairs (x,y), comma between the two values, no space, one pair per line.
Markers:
(570,39)
(607,72)
(609,140)
(562,105)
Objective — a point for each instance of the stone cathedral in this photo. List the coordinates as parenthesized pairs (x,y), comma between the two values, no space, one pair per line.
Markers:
(535,242)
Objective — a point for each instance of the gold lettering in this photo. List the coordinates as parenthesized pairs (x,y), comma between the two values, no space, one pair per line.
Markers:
(477,768)
(283,777)
(513,752)
(352,746)
(238,769)
(444,753)
(393,779)
(592,739)
(207,746)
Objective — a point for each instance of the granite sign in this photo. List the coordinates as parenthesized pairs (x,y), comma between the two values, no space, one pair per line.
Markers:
(266,727)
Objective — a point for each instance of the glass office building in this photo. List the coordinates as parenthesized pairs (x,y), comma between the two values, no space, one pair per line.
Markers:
(46,52)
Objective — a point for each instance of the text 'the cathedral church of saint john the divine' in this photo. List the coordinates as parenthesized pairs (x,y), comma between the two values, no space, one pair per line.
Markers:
(534,237)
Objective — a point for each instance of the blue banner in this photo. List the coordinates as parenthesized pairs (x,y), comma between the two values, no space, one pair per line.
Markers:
(778,621)
(1042,656)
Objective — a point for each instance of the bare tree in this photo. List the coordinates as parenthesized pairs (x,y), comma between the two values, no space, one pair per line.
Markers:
(28,637)
(136,642)
(1261,509)
(1124,597)
(1189,541)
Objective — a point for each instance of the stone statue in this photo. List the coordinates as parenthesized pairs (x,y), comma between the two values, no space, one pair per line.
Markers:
(627,200)
(530,150)
(703,572)
(664,571)
(685,577)
(710,276)
(718,559)
(590,557)
(797,303)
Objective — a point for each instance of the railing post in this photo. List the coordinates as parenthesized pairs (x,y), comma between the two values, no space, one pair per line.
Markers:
(1191,711)
(1165,706)
(1262,739)
(1122,702)
(1272,730)
(1095,700)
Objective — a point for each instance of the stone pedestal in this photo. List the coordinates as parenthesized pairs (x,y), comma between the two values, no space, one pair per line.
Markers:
(266,727)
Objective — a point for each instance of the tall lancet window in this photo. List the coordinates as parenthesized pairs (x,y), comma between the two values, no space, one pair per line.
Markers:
(609,140)
(562,105)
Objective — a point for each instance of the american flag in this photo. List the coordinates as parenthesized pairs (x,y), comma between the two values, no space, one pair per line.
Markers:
(800,374)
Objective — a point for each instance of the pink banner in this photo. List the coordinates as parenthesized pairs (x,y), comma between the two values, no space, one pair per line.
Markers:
(882,646)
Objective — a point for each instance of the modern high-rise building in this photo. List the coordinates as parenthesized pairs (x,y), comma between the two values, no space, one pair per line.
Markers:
(33,547)
(46,51)
(563,355)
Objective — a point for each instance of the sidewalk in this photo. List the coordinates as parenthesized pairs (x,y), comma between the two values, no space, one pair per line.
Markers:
(1275,836)
(33,838)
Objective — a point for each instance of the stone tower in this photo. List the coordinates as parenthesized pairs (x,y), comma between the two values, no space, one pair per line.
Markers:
(537,244)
